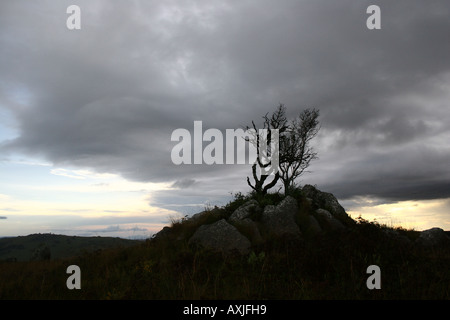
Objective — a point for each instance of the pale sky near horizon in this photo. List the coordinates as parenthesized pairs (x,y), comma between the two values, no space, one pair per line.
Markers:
(86,115)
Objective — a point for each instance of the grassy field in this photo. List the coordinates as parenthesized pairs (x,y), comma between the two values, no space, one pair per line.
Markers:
(325,266)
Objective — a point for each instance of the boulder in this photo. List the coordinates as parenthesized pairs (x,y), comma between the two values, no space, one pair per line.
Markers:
(313,226)
(433,237)
(249,228)
(163,233)
(245,210)
(198,216)
(328,221)
(195,218)
(222,237)
(327,201)
(280,220)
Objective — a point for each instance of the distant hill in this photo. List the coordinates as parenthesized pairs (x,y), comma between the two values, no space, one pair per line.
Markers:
(53,246)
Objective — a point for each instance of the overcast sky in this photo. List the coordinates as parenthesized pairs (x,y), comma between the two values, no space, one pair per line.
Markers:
(88,114)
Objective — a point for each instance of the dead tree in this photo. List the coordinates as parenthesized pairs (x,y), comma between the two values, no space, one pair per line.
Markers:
(264,155)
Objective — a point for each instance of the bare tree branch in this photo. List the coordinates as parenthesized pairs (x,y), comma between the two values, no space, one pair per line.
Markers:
(276,121)
(296,153)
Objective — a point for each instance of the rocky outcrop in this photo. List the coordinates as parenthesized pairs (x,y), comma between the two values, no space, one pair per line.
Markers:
(328,221)
(312,214)
(280,220)
(222,237)
(163,233)
(245,211)
(433,237)
(204,214)
(312,226)
(328,202)
(250,228)
(250,224)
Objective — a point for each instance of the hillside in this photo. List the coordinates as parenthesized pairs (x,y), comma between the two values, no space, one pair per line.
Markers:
(53,246)
(303,246)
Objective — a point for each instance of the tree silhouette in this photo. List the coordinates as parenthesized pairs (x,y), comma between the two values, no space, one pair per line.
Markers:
(264,155)
(293,147)
(295,150)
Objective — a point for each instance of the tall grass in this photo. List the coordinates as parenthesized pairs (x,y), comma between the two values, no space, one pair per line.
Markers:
(326,266)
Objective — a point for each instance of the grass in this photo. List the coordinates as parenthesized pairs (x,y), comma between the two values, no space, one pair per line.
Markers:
(325,266)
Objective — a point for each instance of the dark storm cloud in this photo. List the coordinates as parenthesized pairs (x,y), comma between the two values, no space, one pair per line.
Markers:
(419,174)
(109,96)
(183,184)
